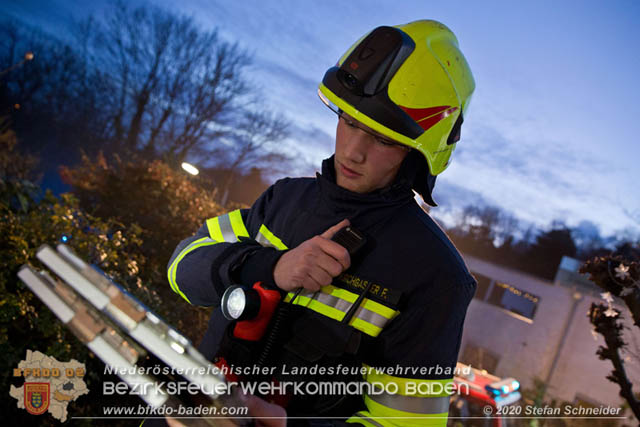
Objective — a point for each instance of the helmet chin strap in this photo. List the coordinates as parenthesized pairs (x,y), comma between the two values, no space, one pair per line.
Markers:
(414,172)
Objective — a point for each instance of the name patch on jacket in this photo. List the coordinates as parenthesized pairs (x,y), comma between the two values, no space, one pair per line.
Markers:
(376,291)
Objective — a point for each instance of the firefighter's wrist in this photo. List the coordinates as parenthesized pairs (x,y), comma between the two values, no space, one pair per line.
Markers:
(258,267)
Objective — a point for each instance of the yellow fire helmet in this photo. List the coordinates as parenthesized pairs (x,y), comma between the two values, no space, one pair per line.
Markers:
(409,82)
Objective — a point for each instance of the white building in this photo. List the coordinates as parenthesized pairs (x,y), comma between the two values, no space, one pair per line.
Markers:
(524,327)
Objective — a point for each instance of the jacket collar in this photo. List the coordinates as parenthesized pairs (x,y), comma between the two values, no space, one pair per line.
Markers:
(363,210)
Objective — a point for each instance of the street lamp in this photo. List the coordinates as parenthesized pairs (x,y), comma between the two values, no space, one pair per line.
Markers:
(27,57)
(190,168)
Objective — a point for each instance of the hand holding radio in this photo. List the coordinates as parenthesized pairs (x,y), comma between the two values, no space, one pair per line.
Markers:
(314,263)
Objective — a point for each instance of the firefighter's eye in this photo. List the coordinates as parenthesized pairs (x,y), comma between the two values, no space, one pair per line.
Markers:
(390,143)
(350,123)
(386,142)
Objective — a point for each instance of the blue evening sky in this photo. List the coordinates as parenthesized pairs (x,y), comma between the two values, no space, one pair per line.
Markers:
(552,128)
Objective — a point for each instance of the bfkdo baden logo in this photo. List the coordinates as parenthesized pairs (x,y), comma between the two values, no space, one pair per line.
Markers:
(36,397)
(49,384)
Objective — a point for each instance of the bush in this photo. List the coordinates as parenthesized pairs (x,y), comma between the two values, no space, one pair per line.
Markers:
(25,322)
(166,205)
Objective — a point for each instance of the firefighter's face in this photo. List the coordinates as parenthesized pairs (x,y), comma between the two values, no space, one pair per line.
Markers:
(365,160)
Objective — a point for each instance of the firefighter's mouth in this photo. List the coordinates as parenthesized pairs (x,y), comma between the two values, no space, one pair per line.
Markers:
(349,173)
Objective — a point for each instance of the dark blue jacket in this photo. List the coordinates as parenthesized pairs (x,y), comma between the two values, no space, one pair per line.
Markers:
(410,323)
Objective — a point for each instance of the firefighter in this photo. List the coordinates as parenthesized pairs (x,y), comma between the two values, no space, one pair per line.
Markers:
(398,304)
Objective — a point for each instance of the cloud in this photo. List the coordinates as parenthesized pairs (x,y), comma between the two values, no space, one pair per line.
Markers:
(448,194)
(551,165)
(289,77)
(308,145)
(546,136)
(539,181)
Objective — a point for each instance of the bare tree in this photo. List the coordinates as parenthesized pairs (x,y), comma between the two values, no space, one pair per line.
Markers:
(618,275)
(632,214)
(252,144)
(587,238)
(168,84)
(480,223)
(51,102)
(545,254)
(139,81)
(50,80)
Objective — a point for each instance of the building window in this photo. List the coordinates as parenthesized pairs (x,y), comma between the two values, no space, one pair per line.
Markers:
(514,300)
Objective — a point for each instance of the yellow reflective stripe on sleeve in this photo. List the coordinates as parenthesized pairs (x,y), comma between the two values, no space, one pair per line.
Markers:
(235,217)
(213,225)
(389,416)
(413,404)
(228,227)
(266,238)
(411,386)
(205,241)
(363,417)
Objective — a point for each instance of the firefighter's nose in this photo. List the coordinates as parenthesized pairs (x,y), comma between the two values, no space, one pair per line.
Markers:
(357,146)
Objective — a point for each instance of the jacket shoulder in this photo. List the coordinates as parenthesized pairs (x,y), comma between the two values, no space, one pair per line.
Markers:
(282,190)
(289,183)
(439,248)
(279,205)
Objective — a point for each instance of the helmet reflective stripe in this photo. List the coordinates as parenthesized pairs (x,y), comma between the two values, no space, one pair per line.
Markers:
(418,93)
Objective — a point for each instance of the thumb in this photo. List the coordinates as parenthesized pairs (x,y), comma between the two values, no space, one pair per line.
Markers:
(331,231)
(260,408)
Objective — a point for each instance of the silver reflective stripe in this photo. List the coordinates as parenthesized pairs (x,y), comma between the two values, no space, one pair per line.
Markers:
(344,306)
(414,404)
(199,242)
(369,420)
(331,301)
(371,317)
(260,238)
(225,227)
(206,241)
(193,245)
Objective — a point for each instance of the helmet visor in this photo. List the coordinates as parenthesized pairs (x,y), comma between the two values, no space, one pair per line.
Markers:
(363,78)
(350,121)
